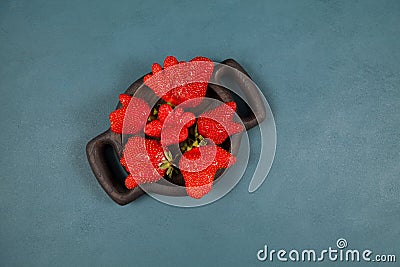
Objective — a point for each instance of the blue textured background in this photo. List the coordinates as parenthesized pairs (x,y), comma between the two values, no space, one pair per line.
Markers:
(329,69)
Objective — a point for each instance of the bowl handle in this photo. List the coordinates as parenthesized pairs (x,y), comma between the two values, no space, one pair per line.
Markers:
(95,151)
(249,89)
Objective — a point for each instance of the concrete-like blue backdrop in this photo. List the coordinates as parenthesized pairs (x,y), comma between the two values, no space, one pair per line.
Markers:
(329,69)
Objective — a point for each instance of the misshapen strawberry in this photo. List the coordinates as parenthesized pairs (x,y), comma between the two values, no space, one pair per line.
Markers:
(199,178)
(145,160)
(131,117)
(171,125)
(163,111)
(130,182)
(153,128)
(181,81)
(217,124)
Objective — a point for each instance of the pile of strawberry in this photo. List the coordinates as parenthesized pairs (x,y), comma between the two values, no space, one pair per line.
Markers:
(148,159)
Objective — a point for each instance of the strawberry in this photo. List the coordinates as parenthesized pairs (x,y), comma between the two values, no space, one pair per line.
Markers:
(199,176)
(181,81)
(153,128)
(164,111)
(145,160)
(130,182)
(135,120)
(217,124)
(170,61)
(123,163)
(171,125)
(170,135)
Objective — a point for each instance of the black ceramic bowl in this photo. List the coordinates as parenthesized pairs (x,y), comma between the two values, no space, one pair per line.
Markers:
(105,150)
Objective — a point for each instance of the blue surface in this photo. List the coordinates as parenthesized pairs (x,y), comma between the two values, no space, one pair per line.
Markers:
(329,69)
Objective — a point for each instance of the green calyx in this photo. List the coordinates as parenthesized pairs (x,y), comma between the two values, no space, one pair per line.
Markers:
(167,163)
(196,141)
(153,115)
(170,104)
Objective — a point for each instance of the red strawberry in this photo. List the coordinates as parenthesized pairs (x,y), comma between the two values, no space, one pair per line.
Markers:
(156,68)
(170,61)
(130,182)
(181,118)
(124,99)
(171,125)
(123,163)
(133,121)
(218,124)
(178,119)
(170,135)
(164,111)
(154,128)
(143,158)
(198,176)
(181,81)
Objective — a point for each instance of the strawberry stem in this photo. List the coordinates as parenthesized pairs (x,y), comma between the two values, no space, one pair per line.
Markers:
(170,104)
(191,142)
(167,163)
